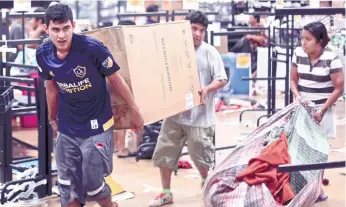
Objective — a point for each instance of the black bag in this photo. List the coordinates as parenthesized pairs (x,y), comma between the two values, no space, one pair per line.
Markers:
(145,151)
(147,147)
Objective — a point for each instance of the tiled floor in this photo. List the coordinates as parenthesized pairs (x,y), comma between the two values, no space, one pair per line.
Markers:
(143,179)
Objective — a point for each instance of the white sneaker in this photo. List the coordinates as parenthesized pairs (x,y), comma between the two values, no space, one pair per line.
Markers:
(162,199)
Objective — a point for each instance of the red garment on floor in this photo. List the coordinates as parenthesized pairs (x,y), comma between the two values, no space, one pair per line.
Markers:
(263,169)
(184,164)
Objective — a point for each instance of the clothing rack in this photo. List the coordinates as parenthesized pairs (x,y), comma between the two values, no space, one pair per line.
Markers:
(45,142)
(39,108)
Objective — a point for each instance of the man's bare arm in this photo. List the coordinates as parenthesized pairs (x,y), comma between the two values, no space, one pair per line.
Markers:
(52,99)
(216,84)
(122,89)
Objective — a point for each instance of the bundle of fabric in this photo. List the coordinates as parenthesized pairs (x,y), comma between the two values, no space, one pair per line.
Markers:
(249,176)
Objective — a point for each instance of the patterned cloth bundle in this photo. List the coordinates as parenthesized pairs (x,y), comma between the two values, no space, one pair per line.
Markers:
(305,143)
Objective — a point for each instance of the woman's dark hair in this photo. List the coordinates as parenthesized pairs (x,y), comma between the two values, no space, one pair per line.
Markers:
(319,31)
(198,17)
(60,13)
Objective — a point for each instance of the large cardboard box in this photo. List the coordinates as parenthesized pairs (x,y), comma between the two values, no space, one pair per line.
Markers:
(158,64)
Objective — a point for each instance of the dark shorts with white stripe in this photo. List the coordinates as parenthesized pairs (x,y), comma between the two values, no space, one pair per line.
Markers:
(82,165)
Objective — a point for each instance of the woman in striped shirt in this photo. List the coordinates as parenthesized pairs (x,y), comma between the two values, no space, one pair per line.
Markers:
(317,75)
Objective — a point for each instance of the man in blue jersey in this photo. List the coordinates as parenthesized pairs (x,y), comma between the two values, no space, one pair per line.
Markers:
(75,68)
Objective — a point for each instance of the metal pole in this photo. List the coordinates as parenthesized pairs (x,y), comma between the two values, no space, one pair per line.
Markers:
(77,9)
(287,65)
(167,16)
(233,12)
(212,38)
(8,145)
(7,34)
(269,74)
(289,60)
(23,33)
(44,152)
(98,16)
(274,69)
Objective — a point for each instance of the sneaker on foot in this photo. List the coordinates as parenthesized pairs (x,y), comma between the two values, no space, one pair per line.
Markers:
(162,199)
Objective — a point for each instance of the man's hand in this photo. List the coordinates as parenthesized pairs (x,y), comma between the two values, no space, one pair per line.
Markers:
(136,119)
(203,92)
(318,116)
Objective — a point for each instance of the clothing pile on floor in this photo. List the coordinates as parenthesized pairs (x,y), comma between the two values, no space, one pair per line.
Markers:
(237,103)
(249,175)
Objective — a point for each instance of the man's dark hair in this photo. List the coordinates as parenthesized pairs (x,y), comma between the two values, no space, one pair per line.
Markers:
(319,31)
(40,10)
(60,13)
(152,8)
(127,22)
(198,17)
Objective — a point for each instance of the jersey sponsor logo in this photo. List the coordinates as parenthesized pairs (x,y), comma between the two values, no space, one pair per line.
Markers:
(76,86)
(80,71)
(108,63)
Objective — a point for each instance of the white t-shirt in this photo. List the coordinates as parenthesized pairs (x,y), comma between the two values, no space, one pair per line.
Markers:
(210,68)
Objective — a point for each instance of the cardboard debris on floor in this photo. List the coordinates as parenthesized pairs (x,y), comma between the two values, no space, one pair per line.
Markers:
(160,69)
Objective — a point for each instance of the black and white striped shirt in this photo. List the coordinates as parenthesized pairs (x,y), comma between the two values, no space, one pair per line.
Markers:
(314,82)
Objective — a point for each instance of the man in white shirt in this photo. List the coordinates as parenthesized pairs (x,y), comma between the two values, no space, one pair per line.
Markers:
(195,126)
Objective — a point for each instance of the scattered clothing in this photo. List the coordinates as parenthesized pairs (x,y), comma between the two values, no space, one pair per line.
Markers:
(184,165)
(263,169)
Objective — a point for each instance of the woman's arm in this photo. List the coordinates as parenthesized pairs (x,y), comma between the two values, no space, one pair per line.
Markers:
(294,81)
(294,77)
(338,83)
(337,76)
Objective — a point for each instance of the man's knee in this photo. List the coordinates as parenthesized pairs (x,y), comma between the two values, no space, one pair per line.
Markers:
(166,153)
(201,148)
(203,158)
(100,193)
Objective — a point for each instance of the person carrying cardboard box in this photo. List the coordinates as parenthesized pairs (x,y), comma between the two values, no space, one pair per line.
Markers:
(75,68)
(196,126)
